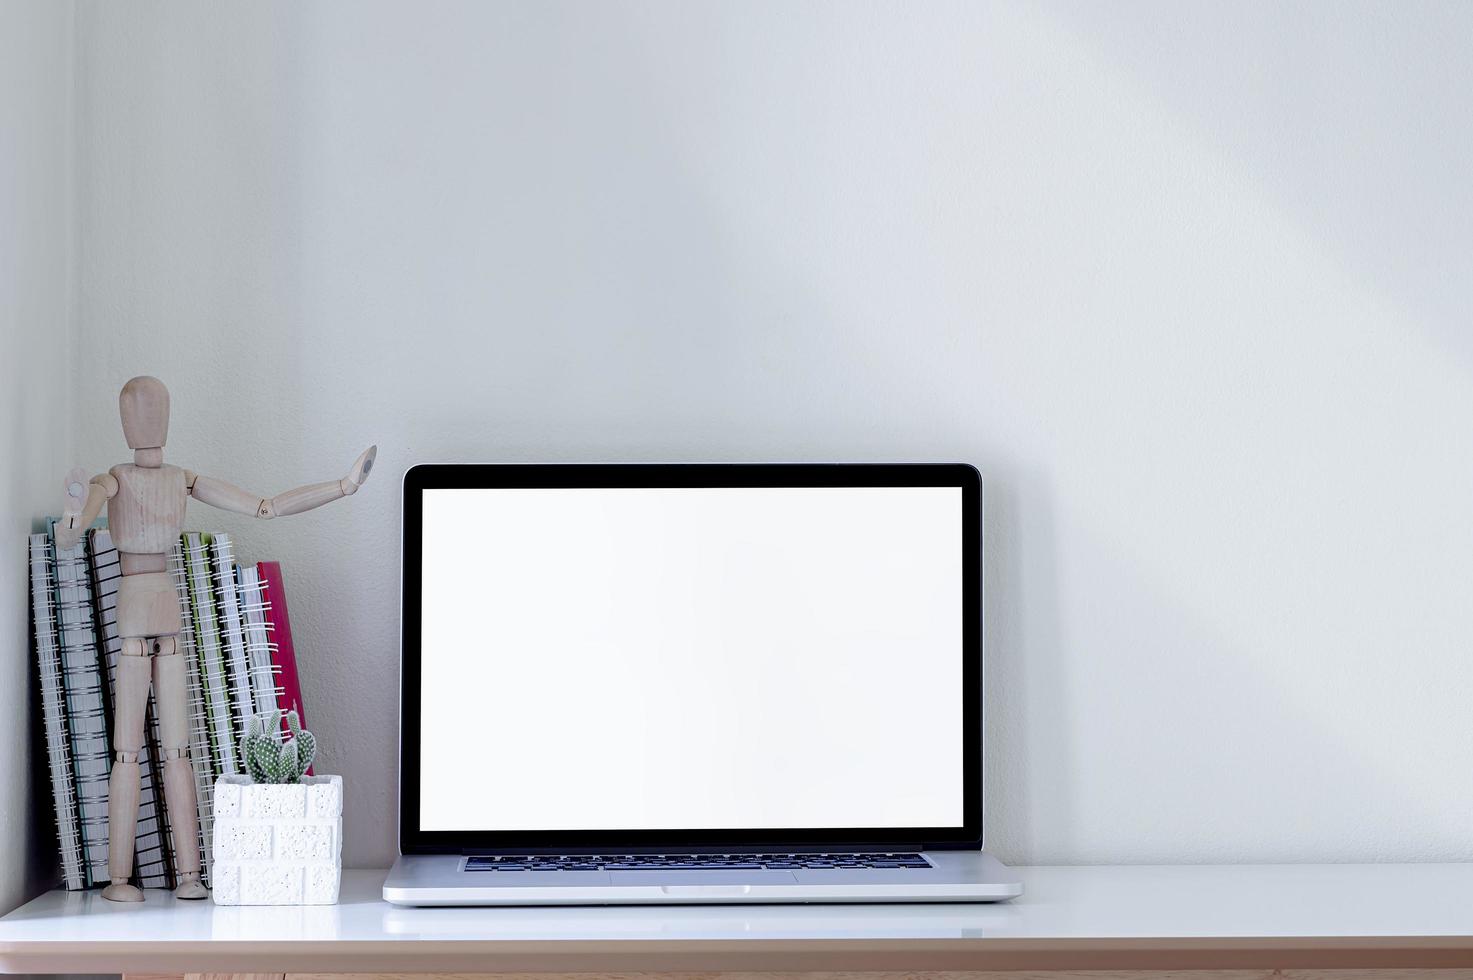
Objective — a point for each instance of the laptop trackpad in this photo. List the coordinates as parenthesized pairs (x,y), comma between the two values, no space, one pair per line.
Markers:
(692,882)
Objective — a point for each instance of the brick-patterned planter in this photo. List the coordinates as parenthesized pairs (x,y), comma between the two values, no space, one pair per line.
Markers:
(277,844)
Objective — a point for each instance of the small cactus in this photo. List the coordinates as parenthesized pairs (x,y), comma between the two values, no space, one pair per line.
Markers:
(267,758)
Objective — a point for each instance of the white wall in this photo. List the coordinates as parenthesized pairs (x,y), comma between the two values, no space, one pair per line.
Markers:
(1189,282)
(36,390)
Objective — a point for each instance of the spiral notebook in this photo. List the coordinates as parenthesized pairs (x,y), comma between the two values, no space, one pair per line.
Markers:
(86,701)
(236,642)
(199,722)
(284,654)
(232,633)
(260,651)
(213,676)
(153,859)
(53,713)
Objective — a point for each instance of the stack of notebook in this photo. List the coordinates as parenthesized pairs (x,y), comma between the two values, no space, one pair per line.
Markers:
(236,639)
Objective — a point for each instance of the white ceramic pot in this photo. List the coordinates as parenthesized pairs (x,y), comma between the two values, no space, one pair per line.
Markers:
(277,844)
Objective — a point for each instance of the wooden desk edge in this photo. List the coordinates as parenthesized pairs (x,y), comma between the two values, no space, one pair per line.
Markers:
(748,956)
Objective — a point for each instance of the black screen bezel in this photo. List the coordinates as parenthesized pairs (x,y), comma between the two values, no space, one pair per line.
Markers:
(413,840)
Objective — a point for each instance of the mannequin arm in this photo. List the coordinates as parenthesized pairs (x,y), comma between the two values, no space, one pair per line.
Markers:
(218,493)
(75,522)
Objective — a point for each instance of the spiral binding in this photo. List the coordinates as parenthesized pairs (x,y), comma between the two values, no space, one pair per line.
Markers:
(86,703)
(211,658)
(199,726)
(227,603)
(53,699)
(260,651)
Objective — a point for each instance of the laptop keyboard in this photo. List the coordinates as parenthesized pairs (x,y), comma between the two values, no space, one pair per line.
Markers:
(693,862)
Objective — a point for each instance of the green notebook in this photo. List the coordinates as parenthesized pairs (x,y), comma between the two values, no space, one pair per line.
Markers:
(199,718)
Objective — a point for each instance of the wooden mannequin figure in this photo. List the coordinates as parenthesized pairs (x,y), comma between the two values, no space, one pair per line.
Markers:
(145,510)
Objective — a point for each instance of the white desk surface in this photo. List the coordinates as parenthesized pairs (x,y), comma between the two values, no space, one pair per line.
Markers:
(1099,917)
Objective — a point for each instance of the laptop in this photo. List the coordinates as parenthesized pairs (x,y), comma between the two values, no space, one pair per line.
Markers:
(692,683)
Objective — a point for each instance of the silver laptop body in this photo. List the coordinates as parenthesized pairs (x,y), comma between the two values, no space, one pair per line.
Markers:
(691,684)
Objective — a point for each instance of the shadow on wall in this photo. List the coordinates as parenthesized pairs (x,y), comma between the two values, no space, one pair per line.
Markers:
(1331,136)
(970,232)
(1028,772)
(1212,696)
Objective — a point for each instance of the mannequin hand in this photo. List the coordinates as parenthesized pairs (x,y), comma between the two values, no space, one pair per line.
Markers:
(361,468)
(76,492)
(68,529)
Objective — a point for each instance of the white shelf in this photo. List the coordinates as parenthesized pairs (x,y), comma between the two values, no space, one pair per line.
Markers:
(1105,917)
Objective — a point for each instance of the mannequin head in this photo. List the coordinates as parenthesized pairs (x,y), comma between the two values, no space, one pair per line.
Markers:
(144,406)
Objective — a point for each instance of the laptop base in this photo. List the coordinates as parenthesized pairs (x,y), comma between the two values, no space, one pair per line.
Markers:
(955,876)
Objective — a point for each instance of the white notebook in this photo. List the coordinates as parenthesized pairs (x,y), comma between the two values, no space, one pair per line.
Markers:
(86,700)
(232,634)
(53,713)
(260,652)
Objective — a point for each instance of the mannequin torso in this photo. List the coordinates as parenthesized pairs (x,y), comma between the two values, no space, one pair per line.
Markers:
(146,515)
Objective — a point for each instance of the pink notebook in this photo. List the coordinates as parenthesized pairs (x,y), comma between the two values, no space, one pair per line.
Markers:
(283,654)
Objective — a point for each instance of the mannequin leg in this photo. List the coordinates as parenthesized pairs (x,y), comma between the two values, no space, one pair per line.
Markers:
(122,788)
(169,684)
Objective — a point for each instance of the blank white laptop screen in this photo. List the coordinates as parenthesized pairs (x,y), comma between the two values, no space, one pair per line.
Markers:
(689,659)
